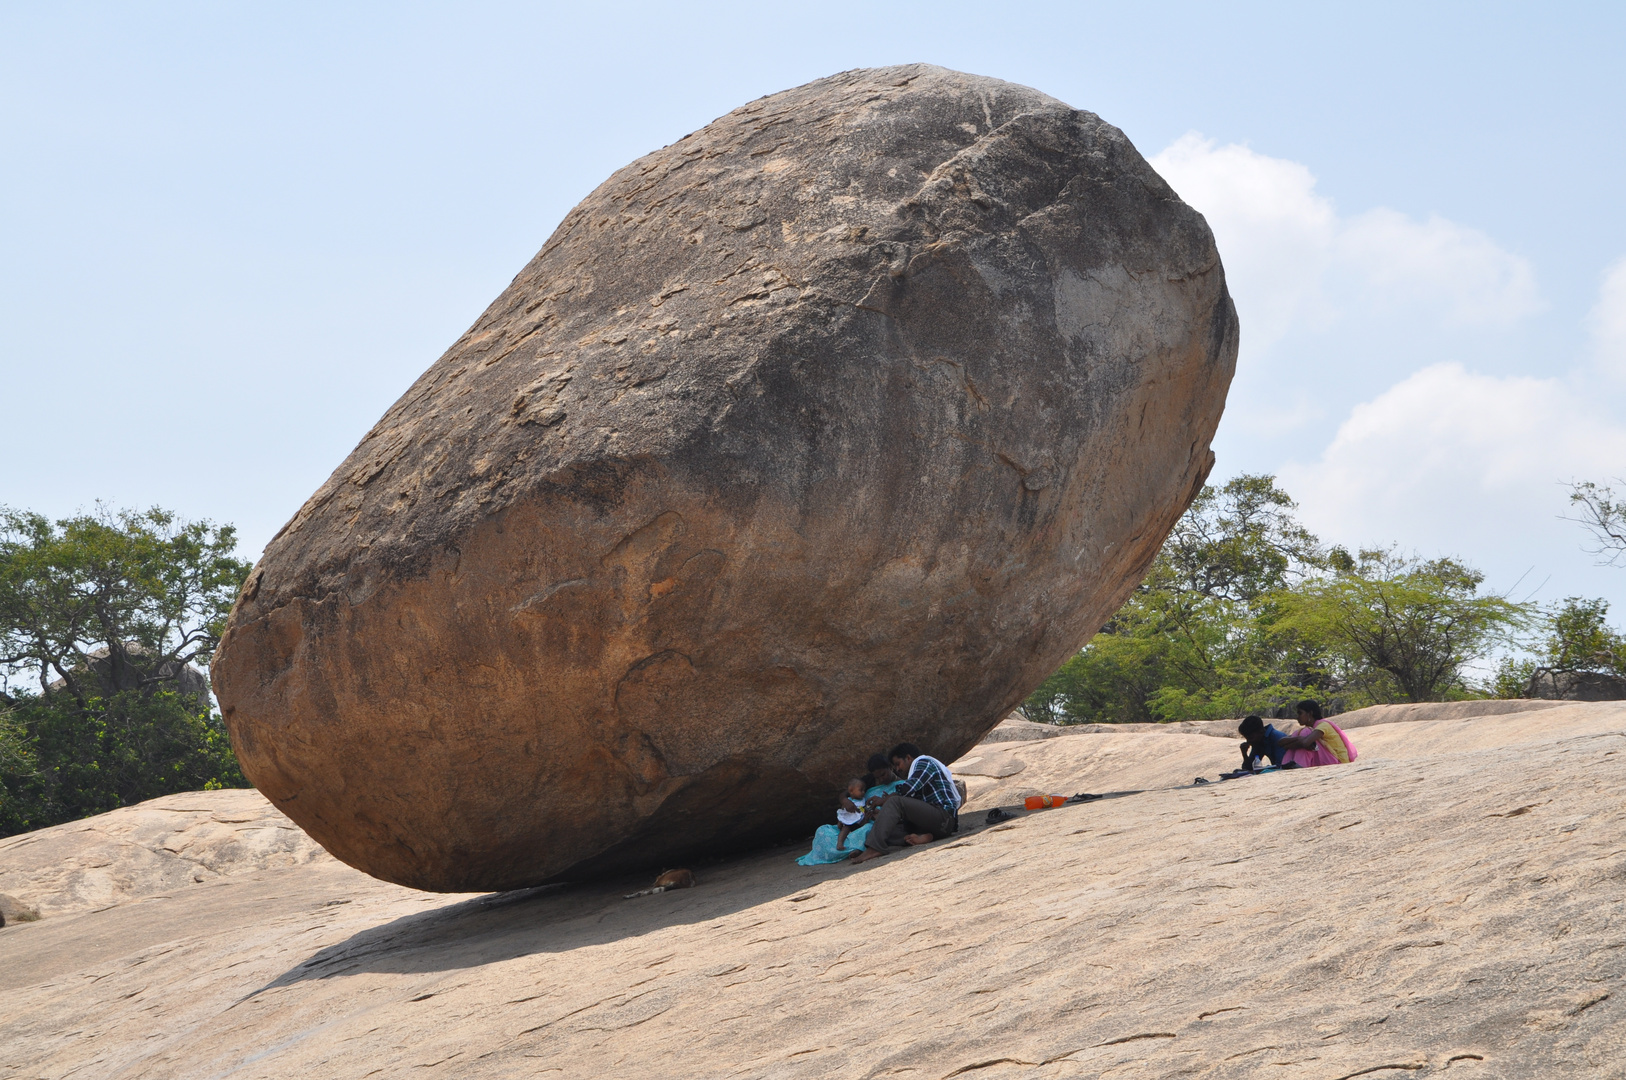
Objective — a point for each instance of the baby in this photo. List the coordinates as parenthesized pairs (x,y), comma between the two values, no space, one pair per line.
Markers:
(850,813)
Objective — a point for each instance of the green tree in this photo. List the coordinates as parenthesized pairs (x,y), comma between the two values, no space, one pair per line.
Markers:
(101,617)
(1245,611)
(16,763)
(1114,677)
(1196,639)
(1578,638)
(1401,629)
(1237,543)
(1512,677)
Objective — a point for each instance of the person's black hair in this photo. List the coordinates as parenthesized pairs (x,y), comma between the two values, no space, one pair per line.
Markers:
(1251,726)
(905,750)
(1310,707)
(876,763)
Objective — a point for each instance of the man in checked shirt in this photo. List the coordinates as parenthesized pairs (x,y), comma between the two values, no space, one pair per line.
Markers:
(929,804)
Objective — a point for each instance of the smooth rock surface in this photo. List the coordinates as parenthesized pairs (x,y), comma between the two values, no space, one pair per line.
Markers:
(841,421)
(150,849)
(1433,710)
(1015,729)
(1450,905)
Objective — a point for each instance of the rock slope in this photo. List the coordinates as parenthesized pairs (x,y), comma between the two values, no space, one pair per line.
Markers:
(841,420)
(1449,905)
(152,849)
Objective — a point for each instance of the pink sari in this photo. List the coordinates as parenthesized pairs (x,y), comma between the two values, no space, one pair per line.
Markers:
(1321,755)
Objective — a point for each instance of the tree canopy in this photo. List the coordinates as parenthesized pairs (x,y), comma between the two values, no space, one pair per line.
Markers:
(1574,636)
(1244,610)
(1398,629)
(104,619)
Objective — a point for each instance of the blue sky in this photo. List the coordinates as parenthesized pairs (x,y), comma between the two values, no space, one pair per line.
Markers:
(231,236)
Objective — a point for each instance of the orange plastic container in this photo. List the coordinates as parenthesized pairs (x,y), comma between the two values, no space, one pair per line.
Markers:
(1044,802)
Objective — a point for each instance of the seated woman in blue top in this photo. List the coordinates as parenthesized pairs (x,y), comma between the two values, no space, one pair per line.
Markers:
(1262,741)
(827,845)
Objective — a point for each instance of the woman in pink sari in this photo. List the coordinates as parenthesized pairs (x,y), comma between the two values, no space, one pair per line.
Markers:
(1318,741)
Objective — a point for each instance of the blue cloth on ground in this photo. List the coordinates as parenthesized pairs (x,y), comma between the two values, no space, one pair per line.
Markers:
(824,841)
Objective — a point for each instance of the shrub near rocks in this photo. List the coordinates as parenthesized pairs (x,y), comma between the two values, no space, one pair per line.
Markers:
(102,617)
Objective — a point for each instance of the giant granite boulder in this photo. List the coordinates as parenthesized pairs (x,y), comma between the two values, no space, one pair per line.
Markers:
(842,420)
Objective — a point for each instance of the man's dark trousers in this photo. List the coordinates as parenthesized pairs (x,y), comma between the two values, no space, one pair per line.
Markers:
(899,817)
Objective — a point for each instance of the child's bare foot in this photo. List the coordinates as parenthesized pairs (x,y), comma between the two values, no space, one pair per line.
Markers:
(867,856)
(918,838)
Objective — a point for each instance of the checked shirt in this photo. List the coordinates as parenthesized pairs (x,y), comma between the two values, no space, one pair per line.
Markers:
(929,782)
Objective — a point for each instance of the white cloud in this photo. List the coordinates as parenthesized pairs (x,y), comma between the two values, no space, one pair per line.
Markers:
(1451,461)
(1275,234)
(1362,382)
(1458,270)
(1447,439)
(1608,321)
(1449,452)
(1290,258)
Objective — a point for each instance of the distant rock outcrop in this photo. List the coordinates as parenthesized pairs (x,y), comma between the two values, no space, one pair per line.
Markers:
(1576,686)
(133,670)
(842,420)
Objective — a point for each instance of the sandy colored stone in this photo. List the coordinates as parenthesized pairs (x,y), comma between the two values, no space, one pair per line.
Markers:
(1015,729)
(840,421)
(1437,710)
(1450,905)
(13,910)
(988,763)
(1105,758)
(152,848)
